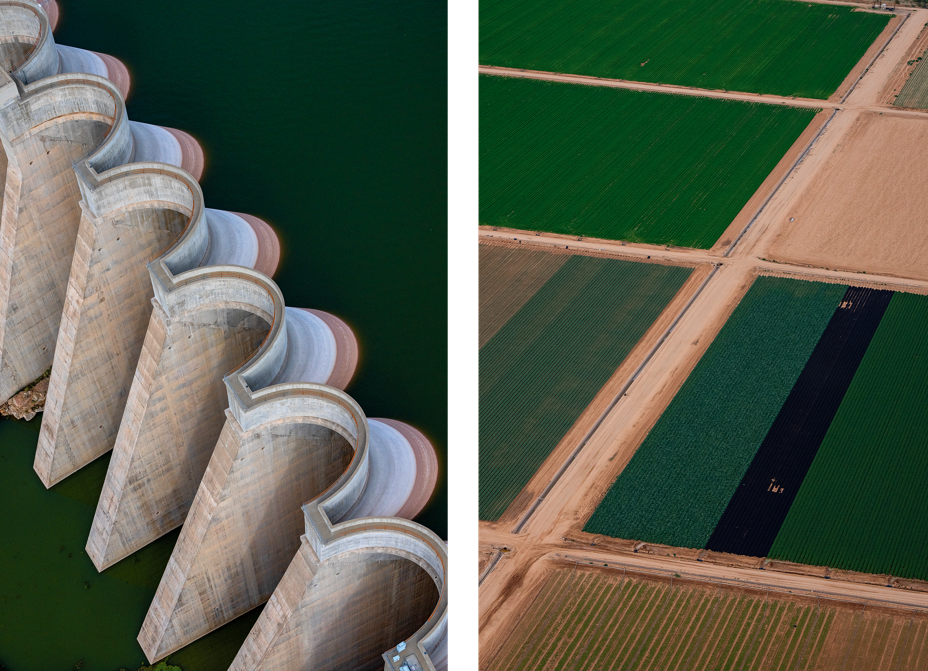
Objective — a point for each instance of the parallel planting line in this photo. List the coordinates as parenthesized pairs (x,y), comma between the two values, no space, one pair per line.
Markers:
(611,406)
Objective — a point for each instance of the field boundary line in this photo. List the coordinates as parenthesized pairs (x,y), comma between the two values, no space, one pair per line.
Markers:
(782,181)
(734,582)
(905,18)
(651,87)
(615,401)
(489,569)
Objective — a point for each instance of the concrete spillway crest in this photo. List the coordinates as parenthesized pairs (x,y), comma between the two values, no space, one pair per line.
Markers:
(172,346)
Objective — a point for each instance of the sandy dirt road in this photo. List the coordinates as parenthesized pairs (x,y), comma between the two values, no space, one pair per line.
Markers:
(563,512)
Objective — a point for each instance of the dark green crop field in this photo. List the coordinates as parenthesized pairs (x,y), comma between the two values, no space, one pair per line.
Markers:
(762,46)
(546,364)
(677,485)
(862,505)
(624,165)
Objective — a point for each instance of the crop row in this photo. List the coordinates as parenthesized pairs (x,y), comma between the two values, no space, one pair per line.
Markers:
(679,482)
(863,505)
(767,46)
(915,91)
(509,277)
(582,620)
(756,512)
(624,165)
(546,364)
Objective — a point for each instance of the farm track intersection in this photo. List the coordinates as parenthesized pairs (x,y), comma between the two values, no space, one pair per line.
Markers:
(516,561)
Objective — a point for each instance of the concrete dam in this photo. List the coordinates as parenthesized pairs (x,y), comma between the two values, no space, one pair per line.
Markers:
(171,346)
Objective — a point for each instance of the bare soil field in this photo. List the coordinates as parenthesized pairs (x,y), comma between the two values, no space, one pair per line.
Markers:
(865,209)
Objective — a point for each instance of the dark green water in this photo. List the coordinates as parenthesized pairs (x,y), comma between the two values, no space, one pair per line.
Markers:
(328,120)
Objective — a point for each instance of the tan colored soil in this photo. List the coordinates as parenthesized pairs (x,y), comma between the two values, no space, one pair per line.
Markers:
(865,210)
(510,274)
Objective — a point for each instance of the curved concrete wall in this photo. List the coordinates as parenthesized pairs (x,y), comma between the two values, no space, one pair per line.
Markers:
(55,123)
(219,402)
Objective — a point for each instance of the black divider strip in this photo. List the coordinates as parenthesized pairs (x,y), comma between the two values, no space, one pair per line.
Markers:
(756,512)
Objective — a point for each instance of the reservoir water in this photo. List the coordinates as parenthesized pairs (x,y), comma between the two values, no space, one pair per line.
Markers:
(328,121)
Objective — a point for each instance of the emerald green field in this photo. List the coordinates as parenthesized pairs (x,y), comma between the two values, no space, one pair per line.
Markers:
(763,46)
(862,505)
(677,485)
(624,165)
(546,364)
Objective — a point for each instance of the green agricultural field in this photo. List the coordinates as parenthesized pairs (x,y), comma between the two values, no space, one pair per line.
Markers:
(677,485)
(764,46)
(862,505)
(624,165)
(587,620)
(915,92)
(546,364)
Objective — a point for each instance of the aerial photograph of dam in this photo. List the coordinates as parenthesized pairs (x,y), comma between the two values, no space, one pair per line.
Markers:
(223,328)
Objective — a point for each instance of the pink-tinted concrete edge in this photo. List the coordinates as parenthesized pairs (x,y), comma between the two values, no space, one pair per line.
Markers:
(193,160)
(426,468)
(268,245)
(346,361)
(117,73)
(51,9)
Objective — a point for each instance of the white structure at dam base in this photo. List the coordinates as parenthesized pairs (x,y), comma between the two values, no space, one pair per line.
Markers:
(171,346)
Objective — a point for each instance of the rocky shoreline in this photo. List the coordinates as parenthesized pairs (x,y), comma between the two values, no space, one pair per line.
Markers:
(29,402)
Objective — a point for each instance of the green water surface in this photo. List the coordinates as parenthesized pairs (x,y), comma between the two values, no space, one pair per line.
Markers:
(328,121)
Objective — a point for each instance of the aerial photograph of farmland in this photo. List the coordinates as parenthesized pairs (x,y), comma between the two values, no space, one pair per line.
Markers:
(703,303)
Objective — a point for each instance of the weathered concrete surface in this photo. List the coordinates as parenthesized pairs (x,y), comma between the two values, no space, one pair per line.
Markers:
(245,522)
(72,59)
(56,123)
(107,312)
(352,591)
(173,418)
(339,614)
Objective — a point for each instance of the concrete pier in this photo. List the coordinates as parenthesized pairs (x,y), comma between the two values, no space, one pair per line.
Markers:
(353,591)
(53,124)
(126,221)
(224,408)
(174,414)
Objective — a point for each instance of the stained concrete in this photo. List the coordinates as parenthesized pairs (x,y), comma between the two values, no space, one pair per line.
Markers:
(172,421)
(339,614)
(203,337)
(43,134)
